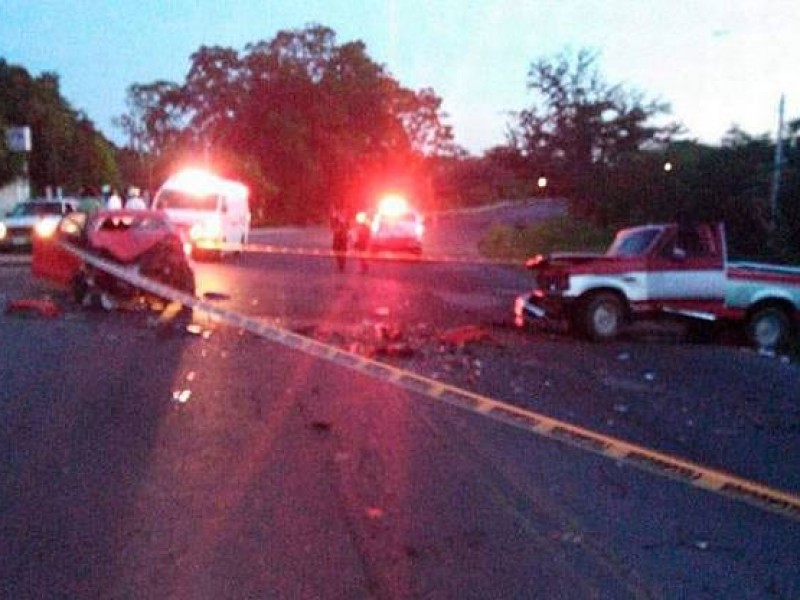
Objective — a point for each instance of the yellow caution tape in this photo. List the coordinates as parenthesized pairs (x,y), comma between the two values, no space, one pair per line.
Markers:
(761,496)
(382,255)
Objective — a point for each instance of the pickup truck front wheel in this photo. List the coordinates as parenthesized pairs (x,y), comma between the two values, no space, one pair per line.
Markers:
(602,316)
(768,328)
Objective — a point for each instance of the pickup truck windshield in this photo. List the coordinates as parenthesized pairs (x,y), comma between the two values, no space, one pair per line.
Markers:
(633,243)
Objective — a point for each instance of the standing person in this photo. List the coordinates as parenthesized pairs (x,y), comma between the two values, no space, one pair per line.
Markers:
(135,200)
(363,233)
(89,200)
(114,200)
(339,229)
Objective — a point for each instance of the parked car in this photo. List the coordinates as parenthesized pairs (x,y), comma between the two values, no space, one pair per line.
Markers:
(666,269)
(145,239)
(18,226)
(396,226)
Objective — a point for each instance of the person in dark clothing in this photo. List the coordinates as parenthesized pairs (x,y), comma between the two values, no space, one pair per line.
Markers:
(363,232)
(340,230)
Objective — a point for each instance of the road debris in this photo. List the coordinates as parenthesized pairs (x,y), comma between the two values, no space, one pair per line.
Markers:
(373,512)
(468,334)
(215,296)
(181,396)
(395,350)
(321,426)
(34,307)
(194,329)
(393,341)
(107,302)
(567,537)
(389,332)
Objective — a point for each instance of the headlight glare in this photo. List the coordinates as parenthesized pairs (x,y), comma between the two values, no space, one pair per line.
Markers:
(45,228)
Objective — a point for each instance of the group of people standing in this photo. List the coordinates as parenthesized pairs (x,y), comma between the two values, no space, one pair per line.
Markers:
(133,200)
(361,233)
(109,198)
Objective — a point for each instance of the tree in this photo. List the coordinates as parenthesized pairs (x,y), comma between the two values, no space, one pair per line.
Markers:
(16,88)
(155,116)
(68,151)
(320,119)
(580,126)
(94,156)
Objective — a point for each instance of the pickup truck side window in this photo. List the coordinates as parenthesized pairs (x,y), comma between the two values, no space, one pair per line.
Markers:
(691,243)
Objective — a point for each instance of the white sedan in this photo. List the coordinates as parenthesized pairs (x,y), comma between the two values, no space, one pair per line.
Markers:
(17,228)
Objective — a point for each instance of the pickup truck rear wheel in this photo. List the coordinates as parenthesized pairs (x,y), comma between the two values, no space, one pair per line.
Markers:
(602,316)
(768,328)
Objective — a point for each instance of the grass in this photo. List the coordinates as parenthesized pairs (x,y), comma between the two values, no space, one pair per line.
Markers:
(514,242)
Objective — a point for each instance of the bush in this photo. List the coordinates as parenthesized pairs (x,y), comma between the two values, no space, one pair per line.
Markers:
(561,233)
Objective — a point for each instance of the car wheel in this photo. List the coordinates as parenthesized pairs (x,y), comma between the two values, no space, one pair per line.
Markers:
(80,287)
(768,328)
(603,316)
(165,262)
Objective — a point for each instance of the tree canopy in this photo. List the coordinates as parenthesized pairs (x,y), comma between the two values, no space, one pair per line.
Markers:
(580,124)
(315,122)
(68,151)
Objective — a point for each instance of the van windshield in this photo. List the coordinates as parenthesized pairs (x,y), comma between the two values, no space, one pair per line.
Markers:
(178,199)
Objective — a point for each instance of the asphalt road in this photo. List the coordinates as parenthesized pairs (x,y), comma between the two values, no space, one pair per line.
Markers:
(146,462)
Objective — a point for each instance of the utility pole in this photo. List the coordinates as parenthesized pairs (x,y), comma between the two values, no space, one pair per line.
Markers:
(776,169)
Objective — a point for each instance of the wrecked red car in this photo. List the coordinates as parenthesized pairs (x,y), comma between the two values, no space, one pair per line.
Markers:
(144,239)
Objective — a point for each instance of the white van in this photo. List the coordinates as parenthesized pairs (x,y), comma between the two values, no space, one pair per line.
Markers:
(208,209)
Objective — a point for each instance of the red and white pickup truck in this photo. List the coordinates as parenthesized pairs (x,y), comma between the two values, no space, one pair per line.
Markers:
(657,270)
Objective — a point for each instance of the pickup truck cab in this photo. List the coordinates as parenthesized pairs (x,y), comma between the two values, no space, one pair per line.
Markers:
(663,269)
